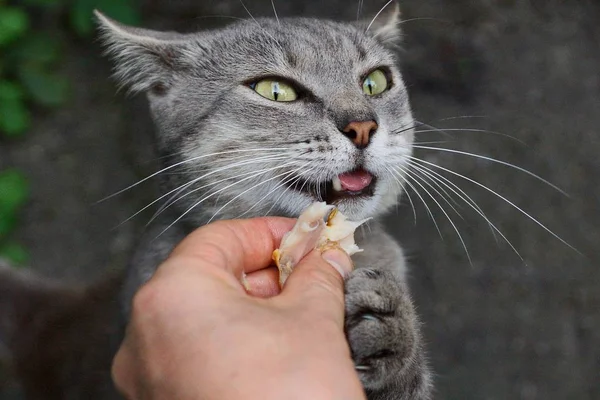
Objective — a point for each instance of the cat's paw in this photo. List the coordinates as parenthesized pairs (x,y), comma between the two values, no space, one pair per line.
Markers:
(383,333)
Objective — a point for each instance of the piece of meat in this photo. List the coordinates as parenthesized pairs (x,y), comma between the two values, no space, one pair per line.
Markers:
(320,226)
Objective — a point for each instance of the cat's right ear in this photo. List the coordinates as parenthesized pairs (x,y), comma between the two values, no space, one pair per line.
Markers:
(145,60)
(385,25)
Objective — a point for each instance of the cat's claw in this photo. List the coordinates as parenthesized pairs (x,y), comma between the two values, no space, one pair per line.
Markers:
(370,317)
(371,273)
(382,331)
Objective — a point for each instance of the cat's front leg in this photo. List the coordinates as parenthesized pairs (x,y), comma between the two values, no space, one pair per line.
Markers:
(383,332)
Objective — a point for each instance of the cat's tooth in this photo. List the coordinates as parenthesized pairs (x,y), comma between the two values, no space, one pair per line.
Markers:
(337,184)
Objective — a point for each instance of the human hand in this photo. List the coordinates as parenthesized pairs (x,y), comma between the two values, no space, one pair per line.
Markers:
(195,333)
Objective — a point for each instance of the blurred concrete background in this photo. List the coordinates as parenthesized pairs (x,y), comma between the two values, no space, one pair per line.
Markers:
(498,327)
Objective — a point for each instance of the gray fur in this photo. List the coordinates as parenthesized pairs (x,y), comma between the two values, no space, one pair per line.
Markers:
(197,86)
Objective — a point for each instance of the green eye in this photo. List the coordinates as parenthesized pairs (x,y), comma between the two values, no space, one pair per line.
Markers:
(275,90)
(375,83)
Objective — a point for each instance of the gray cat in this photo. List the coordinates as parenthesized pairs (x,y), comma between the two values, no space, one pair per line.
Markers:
(263,117)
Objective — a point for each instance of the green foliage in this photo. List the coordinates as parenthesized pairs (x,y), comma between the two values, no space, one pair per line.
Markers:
(14,115)
(45,87)
(81,12)
(45,3)
(36,48)
(14,192)
(15,253)
(30,60)
(13,24)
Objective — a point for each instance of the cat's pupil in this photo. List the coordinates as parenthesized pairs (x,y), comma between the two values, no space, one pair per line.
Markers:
(370,85)
(276,90)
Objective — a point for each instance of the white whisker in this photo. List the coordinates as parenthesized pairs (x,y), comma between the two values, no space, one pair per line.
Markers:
(286,181)
(462,117)
(446,130)
(438,189)
(403,189)
(289,184)
(174,200)
(495,161)
(445,181)
(285,174)
(263,29)
(420,197)
(360,6)
(272,157)
(414,178)
(377,15)
(275,11)
(220,16)
(185,162)
(362,230)
(318,188)
(254,175)
(434,142)
(184,186)
(404,21)
(503,198)
(468,200)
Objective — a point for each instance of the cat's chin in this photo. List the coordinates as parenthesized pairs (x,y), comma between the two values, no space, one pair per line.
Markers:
(358,196)
(358,207)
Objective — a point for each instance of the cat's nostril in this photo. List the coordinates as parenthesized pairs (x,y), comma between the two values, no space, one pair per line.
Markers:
(360,132)
(351,134)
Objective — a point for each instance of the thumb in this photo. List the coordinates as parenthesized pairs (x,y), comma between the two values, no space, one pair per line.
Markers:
(317,283)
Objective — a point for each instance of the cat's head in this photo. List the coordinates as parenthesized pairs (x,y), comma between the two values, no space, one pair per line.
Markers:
(268,116)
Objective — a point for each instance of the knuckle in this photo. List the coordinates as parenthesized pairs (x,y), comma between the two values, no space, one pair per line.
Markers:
(325,282)
(119,374)
(147,300)
(323,275)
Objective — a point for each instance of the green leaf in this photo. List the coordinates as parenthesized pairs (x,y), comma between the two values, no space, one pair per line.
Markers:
(14,191)
(14,117)
(44,3)
(15,253)
(10,91)
(13,24)
(46,88)
(8,223)
(124,11)
(39,48)
(81,15)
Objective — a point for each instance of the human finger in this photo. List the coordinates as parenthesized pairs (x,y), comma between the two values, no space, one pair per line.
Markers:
(263,283)
(317,283)
(234,245)
(123,370)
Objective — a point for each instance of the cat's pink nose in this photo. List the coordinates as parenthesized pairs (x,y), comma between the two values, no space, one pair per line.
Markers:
(360,132)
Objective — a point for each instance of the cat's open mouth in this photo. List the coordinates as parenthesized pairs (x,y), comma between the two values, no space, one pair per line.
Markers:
(349,185)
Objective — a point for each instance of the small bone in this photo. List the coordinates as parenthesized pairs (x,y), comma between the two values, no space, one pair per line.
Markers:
(312,231)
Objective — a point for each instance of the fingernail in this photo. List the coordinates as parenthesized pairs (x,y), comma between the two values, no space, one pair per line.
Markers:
(338,260)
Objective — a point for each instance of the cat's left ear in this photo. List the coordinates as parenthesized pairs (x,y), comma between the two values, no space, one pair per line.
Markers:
(144,59)
(385,25)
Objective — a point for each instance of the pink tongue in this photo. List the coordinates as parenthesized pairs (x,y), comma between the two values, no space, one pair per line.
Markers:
(355,181)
